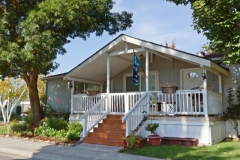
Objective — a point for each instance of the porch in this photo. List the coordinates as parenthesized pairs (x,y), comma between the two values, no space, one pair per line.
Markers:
(109,71)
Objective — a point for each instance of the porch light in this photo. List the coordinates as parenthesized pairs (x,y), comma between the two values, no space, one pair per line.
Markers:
(204,75)
(69,85)
(141,56)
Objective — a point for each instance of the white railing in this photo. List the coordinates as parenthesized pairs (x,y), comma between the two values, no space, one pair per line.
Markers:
(83,102)
(136,114)
(94,115)
(183,102)
(123,102)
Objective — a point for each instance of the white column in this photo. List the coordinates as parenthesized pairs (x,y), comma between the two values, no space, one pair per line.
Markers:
(147,75)
(220,83)
(108,83)
(72,92)
(205,107)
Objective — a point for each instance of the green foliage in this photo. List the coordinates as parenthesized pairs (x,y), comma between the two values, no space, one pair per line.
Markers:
(34,32)
(71,132)
(232,112)
(29,118)
(152,128)
(132,140)
(3,129)
(16,127)
(18,110)
(57,124)
(219,21)
(49,110)
(74,130)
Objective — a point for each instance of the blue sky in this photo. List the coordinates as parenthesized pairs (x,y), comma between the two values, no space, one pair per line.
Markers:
(155,20)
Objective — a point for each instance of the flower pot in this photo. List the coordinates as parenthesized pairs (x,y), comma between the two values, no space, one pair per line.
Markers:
(169,90)
(154,140)
(140,144)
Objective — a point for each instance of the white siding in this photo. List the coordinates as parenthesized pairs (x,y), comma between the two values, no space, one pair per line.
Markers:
(58,95)
(208,132)
(169,72)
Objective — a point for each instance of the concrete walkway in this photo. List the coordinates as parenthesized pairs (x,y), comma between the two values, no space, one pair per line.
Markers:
(37,150)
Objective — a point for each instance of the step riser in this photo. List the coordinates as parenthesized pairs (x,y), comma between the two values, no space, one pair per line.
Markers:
(102,130)
(113,126)
(106,136)
(104,142)
(112,121)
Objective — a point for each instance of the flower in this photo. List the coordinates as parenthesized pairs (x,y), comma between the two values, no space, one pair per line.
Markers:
(152,128)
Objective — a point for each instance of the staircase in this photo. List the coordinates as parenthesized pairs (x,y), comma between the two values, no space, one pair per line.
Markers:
(110,132)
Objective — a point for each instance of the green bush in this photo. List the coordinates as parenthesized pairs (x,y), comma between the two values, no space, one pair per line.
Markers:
(74,130)
(3,129)
(58,124)
(16,127)
(29,118)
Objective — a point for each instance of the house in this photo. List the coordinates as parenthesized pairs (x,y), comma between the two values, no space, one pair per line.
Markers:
(184,93)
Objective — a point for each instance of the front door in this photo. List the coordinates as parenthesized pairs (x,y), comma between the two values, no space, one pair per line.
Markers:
(191,78)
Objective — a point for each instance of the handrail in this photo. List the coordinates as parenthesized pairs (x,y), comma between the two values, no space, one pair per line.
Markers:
(132,109)
(94,115)
(135,116)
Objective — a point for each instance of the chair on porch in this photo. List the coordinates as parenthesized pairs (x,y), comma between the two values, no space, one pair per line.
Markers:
(196,99)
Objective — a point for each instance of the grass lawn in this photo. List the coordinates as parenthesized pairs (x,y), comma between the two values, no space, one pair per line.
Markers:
(220,151)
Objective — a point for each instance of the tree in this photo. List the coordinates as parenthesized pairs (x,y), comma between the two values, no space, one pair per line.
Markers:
(34,32)
(219,21)
(11,91)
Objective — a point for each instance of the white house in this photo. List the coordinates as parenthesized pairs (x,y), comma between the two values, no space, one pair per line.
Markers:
(102,86)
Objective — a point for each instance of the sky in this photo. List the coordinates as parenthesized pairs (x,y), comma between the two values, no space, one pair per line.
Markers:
(153,20)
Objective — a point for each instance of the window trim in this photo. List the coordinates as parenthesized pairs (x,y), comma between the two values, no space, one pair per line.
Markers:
(125,75)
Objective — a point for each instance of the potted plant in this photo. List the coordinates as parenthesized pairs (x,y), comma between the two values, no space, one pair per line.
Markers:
(169,88)
(154,138)
(133,141)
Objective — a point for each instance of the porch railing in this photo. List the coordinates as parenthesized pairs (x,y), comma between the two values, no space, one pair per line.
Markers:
(94,115)
(183,102)
(136,114)
(83,102)
(121,103)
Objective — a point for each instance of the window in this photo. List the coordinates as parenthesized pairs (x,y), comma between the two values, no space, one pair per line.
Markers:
(192,75)
(80,86)
(130,86)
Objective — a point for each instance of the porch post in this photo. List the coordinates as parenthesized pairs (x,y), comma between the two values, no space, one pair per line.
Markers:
(72,92)
(147,75)
(220,83)
(108,83)
(205,107)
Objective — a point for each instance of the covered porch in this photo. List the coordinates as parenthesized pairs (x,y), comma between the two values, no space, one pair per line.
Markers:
(108,74)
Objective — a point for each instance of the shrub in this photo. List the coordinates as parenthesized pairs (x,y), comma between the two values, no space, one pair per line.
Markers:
(57,124)
(17,127)
(3,129)
(74,130)
(29,118)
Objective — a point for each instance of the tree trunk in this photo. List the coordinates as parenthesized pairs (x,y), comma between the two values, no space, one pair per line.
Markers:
(31,81)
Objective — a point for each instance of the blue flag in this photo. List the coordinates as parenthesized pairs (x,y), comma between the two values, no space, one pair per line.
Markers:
(135,69)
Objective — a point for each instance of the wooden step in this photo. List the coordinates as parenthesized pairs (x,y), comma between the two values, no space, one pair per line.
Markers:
(110,132)
(106,136)
(115,117)
(103,130)
(108,142)
(112,125)
(112,120)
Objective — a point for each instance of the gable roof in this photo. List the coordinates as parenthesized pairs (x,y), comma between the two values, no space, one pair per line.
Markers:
(118,47)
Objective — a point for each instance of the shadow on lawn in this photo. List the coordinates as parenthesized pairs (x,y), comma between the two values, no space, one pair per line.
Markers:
(221,151)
